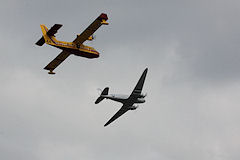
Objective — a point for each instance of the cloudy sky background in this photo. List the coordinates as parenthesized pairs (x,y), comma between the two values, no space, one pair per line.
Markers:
(190,47)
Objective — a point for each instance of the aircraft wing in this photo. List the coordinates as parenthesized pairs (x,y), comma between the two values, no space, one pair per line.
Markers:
(91,29)
(138,88)
(57,61)
(123,110)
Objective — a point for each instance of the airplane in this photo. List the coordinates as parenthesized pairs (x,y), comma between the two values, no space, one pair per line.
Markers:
(76,47)
(127,101)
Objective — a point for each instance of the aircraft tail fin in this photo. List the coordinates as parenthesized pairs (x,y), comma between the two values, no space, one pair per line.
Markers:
(100,98)
(48,33)
(41,41)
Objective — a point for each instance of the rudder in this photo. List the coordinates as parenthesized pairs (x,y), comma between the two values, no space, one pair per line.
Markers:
(105,91)
(41,41)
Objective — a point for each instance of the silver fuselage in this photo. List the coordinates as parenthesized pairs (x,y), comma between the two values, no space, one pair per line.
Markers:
(124,98)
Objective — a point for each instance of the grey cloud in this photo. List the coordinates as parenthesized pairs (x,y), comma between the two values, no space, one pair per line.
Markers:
(191,50)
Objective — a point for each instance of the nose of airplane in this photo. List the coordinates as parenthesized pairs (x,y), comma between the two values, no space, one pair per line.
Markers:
(96,53)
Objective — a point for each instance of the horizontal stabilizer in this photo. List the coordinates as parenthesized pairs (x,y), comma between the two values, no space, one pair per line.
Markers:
(50,33)
(100,98)
(40,42)
(53,30)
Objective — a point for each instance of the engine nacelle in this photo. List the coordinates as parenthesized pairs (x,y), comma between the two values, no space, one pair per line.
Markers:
(91,38)
(133,107)
(140,100)
(142,95)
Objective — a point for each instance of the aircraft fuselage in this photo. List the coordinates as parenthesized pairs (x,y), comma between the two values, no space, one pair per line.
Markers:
(71,47)
(123,98)
(82,50)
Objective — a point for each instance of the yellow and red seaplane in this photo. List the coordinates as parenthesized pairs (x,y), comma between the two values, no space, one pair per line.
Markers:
(76,47)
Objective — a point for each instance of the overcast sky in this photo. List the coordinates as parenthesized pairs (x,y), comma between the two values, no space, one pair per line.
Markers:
(191,48)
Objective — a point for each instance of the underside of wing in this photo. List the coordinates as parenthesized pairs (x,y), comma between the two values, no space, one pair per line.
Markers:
(117,115)
(138,88)
(57,61)
(91,29)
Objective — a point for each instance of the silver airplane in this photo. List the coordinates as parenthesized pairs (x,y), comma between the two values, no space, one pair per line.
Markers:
(127,101)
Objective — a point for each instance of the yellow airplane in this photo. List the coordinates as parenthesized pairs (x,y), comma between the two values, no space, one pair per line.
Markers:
(76,47)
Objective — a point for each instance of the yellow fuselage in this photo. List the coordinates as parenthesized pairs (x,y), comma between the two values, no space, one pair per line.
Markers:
(78,50)
(82,50)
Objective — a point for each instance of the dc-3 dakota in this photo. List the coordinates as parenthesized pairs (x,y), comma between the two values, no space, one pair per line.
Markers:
(127,101)
(76,47)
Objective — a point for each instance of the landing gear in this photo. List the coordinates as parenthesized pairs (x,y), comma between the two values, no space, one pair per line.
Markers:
(51,72)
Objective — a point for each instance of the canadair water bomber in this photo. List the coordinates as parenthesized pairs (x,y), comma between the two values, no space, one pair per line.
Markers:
(76,47)
(127,101)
